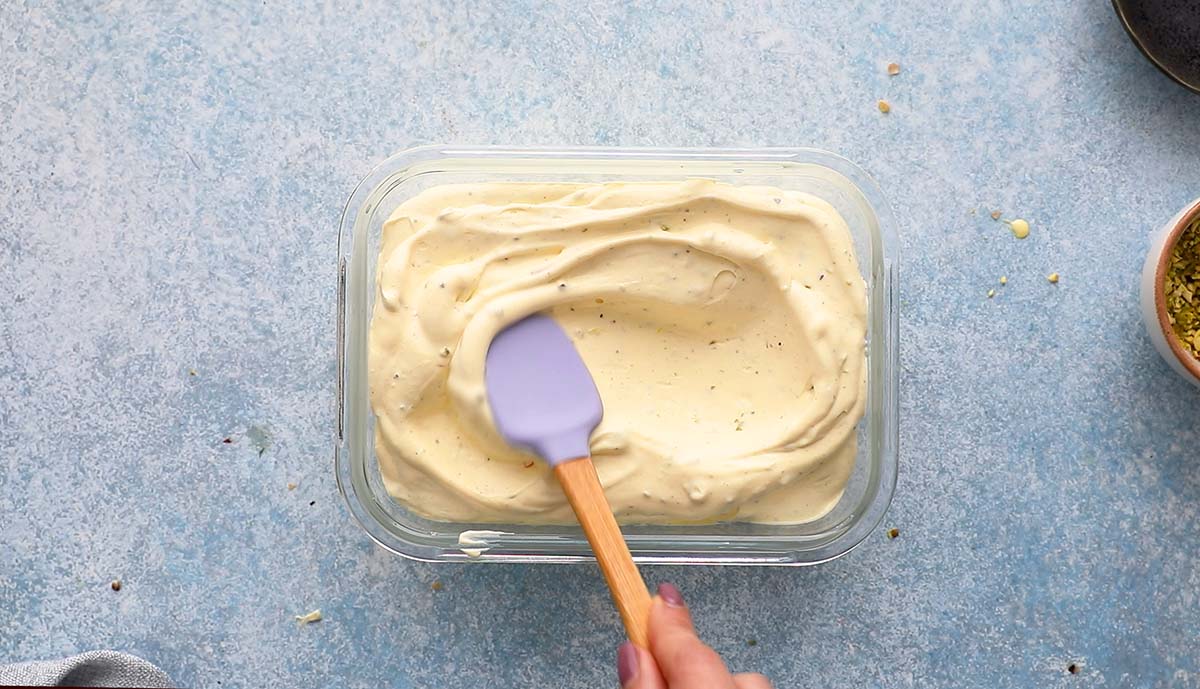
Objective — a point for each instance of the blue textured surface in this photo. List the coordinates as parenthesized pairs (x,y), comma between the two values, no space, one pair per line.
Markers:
(170,184)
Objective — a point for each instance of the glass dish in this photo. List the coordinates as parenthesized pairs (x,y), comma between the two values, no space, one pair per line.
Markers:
(834,179)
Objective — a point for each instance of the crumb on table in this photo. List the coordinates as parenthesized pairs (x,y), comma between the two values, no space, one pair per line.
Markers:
(1020,228)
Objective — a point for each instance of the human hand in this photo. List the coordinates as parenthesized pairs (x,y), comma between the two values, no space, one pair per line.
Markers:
(677,658)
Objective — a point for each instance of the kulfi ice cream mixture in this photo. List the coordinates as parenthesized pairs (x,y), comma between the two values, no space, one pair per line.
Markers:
(725,327)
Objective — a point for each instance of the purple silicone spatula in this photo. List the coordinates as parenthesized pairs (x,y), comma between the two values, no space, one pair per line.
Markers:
(544,400)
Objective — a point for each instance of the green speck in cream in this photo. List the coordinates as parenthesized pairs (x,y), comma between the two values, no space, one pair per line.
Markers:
(1182,288)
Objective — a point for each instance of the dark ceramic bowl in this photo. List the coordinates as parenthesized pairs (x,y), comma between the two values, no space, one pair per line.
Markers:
(1168,33)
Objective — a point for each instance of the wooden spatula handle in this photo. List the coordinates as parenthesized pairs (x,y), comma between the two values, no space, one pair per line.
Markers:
(586,495)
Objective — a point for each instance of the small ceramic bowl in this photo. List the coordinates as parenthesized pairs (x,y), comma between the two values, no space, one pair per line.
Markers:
(1154,302)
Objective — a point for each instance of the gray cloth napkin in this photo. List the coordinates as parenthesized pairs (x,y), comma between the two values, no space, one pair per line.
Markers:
(91,669)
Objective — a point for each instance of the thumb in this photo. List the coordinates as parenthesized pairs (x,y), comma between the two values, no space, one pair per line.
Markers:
(683,659)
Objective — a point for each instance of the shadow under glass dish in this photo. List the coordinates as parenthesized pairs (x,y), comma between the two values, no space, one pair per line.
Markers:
(836,180)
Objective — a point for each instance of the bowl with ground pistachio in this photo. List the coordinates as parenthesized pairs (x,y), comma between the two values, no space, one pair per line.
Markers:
(1170,292)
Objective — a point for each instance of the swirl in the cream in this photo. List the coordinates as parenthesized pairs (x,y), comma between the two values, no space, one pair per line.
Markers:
(725,328)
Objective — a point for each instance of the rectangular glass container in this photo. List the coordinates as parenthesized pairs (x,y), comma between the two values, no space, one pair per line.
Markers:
(836,180)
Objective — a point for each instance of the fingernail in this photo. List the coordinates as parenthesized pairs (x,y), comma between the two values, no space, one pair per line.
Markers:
(627,663)
(670,595)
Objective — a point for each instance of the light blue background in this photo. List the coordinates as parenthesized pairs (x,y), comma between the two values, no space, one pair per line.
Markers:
(170,185)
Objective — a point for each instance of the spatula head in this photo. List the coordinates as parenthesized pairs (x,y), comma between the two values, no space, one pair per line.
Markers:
(542,396)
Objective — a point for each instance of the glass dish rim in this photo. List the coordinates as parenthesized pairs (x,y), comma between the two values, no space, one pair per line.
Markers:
(547,548)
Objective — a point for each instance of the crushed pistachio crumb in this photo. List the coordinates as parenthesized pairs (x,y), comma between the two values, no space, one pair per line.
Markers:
(1182,288)
(1053,278)
(1003,279)
(309,617)
(991,293)
(893,68)
(884,106)
(752,642)
(1020,228)
(893,533)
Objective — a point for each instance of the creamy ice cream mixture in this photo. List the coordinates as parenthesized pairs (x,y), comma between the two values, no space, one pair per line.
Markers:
(725,327)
